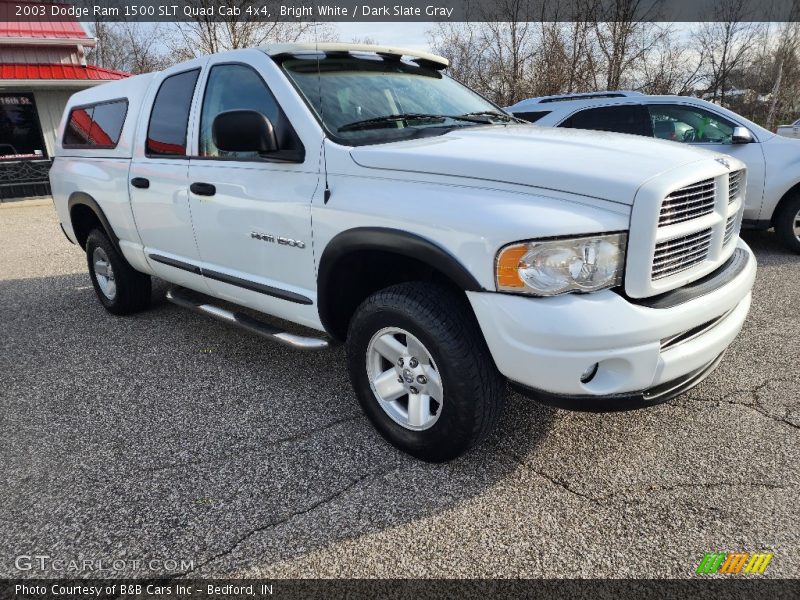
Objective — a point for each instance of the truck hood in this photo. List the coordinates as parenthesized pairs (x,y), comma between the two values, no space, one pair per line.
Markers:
(596,164)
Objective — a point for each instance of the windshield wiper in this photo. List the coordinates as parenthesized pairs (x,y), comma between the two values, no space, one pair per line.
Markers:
(495,114)
(368,123)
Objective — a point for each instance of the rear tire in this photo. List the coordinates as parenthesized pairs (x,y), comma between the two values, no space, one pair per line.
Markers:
(787,224)
(422,371)
(120,288)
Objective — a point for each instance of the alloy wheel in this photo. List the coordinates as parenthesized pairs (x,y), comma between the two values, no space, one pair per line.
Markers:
(404,379)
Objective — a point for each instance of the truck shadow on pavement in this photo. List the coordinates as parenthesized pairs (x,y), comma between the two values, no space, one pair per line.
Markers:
(768,249)
(170,435)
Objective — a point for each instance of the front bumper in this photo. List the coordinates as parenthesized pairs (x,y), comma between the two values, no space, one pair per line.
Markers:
(628,401)
(645,354)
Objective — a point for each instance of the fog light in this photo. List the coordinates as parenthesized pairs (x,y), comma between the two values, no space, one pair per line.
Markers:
(589,374)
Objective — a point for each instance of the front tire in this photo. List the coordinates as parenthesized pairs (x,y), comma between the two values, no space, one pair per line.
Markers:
(787,224)
(422,371)
(120,288)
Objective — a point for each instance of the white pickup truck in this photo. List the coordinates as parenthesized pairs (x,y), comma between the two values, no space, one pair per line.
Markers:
(791,131)
(361,193)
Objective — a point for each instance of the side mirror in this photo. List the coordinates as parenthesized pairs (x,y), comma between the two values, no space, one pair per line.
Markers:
(243,131)
(741,135)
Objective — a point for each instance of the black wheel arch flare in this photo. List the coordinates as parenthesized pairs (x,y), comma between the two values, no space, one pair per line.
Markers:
(385,239)
(84,199)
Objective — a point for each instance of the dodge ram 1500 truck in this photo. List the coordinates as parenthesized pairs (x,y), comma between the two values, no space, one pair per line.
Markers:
(360,192)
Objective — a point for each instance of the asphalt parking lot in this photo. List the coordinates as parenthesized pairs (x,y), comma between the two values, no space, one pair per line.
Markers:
(170,436)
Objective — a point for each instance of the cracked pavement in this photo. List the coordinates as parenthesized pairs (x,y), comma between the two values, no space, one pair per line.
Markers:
(170,436)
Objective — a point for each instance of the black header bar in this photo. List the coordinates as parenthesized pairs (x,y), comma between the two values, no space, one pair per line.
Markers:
(404,10)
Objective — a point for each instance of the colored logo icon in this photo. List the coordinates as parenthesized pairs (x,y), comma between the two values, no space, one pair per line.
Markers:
(734,563)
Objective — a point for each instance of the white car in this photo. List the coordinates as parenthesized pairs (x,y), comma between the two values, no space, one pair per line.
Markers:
(773,162)
(790,131)
(360,193)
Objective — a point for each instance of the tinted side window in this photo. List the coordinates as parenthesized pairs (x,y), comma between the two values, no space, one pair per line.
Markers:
(96,126)
(239,87)
(166,133)
(532,116)
(78,127)
(632,119)
(690,124)
(107,122)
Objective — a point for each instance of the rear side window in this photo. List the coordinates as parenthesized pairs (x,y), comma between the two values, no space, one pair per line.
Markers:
(629,118)
(533,116)
(95,126)
(169,119)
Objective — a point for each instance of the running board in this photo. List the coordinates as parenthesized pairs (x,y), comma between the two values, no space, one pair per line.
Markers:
(185,300)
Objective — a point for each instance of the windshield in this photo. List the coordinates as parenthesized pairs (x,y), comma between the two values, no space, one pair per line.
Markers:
(369,99)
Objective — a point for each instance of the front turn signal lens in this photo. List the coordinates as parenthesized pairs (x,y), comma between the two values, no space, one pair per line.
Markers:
(508,266)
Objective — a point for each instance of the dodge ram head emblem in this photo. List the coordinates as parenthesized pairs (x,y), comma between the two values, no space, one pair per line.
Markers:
(723,161)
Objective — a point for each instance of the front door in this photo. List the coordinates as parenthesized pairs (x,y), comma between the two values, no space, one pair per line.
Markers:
(251,213)
(704,129)
(159,181)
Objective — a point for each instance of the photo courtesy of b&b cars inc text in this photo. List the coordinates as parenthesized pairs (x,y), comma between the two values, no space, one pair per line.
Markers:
(437,299)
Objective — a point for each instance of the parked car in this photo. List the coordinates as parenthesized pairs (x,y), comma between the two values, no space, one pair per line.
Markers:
(358,191)
(773,162)
(790,131)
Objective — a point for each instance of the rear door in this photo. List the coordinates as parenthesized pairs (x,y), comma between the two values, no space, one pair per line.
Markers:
(705,129)
(252,214)
(158,178)
(619,118)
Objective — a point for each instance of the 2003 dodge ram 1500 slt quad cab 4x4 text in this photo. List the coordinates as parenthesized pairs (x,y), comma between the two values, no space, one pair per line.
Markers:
(358,191)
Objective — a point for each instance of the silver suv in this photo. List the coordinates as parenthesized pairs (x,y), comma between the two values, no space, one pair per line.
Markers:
(773,162)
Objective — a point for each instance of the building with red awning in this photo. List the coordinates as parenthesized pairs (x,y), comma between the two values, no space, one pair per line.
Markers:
(42,63)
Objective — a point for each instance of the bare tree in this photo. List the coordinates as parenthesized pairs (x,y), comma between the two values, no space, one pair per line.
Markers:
(495,57)
(670,67)
(624,37)
(581,60)
(462,44)
(517,58)
(785,87)
(246,24)
(129,46)
(726,45)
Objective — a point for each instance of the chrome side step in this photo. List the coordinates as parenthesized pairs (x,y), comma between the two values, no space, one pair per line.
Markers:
(184,299)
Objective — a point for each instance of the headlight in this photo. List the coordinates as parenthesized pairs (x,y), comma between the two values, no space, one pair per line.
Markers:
(552,267)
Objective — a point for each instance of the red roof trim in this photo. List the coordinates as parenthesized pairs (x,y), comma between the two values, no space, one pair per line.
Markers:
(12,26)
(59,72)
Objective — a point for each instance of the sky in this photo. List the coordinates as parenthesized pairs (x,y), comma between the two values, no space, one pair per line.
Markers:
(408,35)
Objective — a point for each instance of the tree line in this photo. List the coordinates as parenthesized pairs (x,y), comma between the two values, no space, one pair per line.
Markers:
(750,67)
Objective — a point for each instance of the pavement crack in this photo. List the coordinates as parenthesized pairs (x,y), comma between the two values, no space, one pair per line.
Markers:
(604,499)
(756,406)
(554,480)
(709,485)
(251,448)
(271,525)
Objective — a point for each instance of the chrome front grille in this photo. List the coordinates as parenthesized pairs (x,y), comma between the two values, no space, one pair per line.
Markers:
(730,229)
(688,203)
(734,185)
(683,229)
(679,254)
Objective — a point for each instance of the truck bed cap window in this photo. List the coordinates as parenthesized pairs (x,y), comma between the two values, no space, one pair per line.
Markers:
(96,126)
